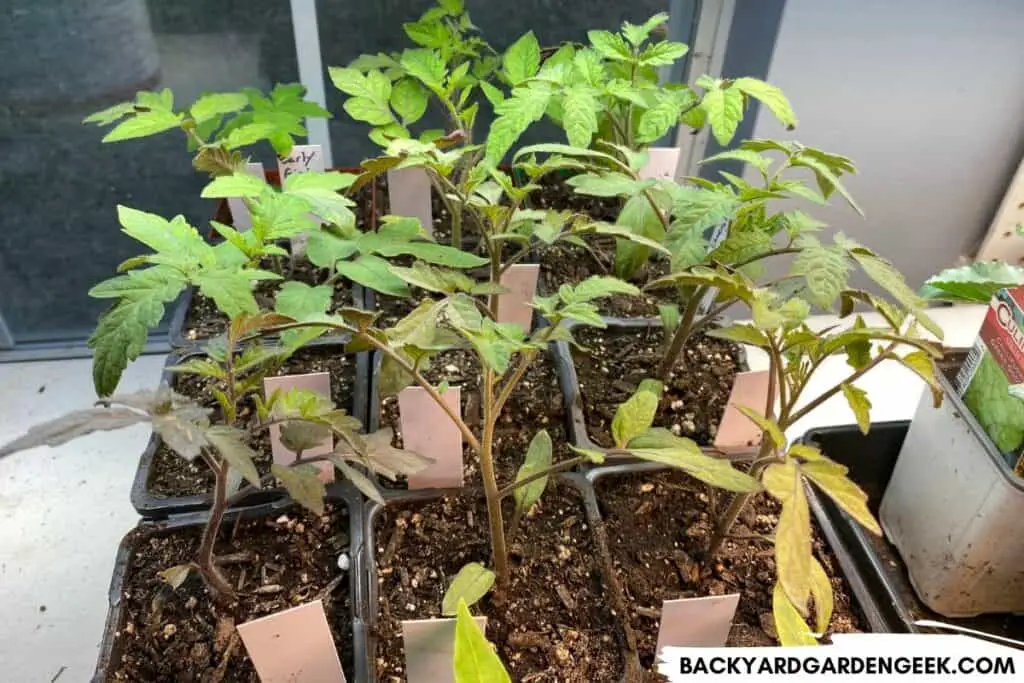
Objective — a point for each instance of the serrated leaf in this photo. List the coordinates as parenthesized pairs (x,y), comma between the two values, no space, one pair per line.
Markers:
(828,181)
(303,484)
(656,121)
(821,591)
(175,576)
(475,660)
(579,115)
(741,333)
(438,254)
(770,428)
(860,405)
(110,114)
(695,208)
(239,184)
(538,459)
(231,290)
(433,279)
(975,283)
(144,124)
(832,479)
(372,111)
(891,280)
(525,105)
(214,104)
(662,446)
(770,96)
(793,533)
(493,95)
(724,110)
(610,45)
(373,272)
(826,271)
(789,624)
(625,91)
(74,425)
(746,156)
(425,65)
(471,584)
(922,364)
(600,286)
(664,53)
(427,33)
(228,442)
(358,479)
(522,59)
(635,415)
(607,184)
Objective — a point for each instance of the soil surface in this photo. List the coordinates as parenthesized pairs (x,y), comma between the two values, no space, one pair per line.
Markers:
(564,263)
(555,625)
(277,562)
(556,194)
(535,404)
(659,526)
(171,475)
(616,360)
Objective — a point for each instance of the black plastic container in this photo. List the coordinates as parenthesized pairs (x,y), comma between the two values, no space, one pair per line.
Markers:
(343,495)
(569,382)
(881,573)
(150,506)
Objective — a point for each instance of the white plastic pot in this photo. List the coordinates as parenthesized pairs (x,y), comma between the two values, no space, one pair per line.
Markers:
(954,510)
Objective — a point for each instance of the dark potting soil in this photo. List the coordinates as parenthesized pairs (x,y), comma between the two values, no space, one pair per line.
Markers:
(659,526)
(535,404)
(274,563)
(171,475)
(555,625)
(442,227)
(616,360)
(564,263)
(556,194)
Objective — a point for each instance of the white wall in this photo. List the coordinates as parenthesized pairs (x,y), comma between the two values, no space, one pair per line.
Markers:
(927,97)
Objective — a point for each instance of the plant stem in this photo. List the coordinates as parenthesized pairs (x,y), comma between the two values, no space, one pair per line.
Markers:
(826,395)
(496,522)
(495,275)
(682,333)
(205,560)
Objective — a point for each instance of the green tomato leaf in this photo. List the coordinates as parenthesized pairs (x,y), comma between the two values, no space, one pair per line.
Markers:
(724,110)
(470,585)
(789,624)
(538,459)
(522,59)
(636,414)
(475,659)
(303,483)
(214,104)
(770,96)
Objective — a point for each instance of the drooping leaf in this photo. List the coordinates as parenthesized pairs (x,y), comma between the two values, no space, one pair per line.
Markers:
(635,415)
(924,366)
(592,456)
(358,479)
(375,273)
(303,483)
(471,584)
(228,442)
(770,428)
(73,425)
(476,660)
(793,533)
(821,591)
(770,96)
(538,459)
(831,478)
(175,576)
(859,404)
(790,626)
(741,333)
(662,446)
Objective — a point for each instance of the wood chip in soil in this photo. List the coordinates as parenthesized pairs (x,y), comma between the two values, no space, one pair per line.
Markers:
(172,476)
(539,636)
(616,360)
(169,636)
(659,527)
(535,404)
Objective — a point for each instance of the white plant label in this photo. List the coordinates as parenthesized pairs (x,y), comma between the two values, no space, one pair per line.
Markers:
(241,219)
(662,163)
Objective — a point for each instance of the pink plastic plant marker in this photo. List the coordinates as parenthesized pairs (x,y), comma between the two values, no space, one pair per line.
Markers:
(430,649)
(737,434)
(697,622)
(409,194)
(427,430)
(293,646)
(514,305)
(320,382)
(661,163)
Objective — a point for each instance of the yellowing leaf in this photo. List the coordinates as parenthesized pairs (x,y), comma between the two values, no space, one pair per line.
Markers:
(793,533)
(844,492)
(769,427)
(176,575)
(860,405)
(471,584)
(789,624)
(475,658)
(821,591)
(924,366)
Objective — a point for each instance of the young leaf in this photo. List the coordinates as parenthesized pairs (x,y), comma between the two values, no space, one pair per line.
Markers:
(475,659)
(214,104)
(600,286)
(592,456)
(831,478)
(610,45)
(228,442)
(789,624)
(434,253)
(634,417)
(522,59)
(234,185)
(425,65)
(670,317)
(143,124)
(471,584)
(743,334)
(579,114)
(664,53)
(607,184)
(409,100)
(793,534)
(770,96)
(885,275)
(303,483)
(769,427)
(724,109)
(825,269)
(526,105)
(538,459)
(860,405)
